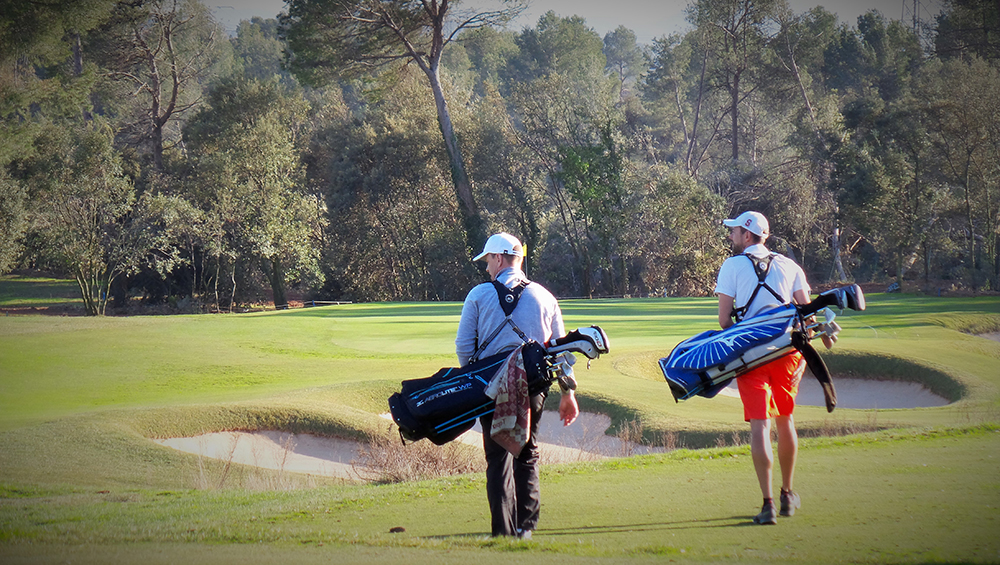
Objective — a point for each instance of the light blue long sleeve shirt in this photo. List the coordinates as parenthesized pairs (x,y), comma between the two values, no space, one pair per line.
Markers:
(537,315)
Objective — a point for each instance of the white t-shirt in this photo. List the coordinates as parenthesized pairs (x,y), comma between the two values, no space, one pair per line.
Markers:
(738,279)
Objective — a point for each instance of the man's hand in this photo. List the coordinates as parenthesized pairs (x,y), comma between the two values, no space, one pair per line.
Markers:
(568,408)
(829,335)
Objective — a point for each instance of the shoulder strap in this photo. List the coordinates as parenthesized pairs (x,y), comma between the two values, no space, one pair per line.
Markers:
(509,298)
(761,266)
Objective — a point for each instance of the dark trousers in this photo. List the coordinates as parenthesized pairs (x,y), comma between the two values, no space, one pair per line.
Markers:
(512,482)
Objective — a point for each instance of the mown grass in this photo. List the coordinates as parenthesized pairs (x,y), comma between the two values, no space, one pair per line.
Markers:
(878,498)
(26,292)
(79,398)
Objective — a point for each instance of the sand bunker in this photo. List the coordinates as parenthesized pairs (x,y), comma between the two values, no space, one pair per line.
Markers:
(862,394)
(298,453)
(585,440)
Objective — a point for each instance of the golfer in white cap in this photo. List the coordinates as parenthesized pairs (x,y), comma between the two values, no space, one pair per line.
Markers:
(511,482)
(752,280)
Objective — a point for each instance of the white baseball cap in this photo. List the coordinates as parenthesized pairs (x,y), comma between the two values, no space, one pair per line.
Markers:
(753,222)
(502,243)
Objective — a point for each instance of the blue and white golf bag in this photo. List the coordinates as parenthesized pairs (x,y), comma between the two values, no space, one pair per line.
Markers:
(705,364)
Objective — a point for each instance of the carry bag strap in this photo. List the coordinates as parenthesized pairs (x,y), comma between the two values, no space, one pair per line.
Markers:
(761,266)
(508,297)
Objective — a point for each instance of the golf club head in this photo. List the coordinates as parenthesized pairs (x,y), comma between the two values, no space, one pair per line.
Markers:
(848,297)
(591,342)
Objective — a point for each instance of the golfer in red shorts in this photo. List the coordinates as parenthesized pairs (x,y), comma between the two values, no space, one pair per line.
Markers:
(751,281)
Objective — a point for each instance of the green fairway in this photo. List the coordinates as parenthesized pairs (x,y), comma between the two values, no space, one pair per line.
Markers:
(80,398)
(28,294)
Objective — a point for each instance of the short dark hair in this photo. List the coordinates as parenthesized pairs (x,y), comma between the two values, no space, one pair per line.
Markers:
(753,237)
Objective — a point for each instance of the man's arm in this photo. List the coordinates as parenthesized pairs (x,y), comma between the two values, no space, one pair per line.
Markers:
(467,336)
(800,297)
(726,310)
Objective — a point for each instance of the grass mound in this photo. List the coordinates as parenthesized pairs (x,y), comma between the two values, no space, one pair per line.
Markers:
(883,367)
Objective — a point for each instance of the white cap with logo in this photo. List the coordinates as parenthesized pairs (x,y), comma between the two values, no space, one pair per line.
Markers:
(502,243)
(753,222)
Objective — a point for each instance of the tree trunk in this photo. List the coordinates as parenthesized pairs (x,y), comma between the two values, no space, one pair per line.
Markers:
(277,277)
(232,296)
(86,294)
(215,284)
(968,213)
(838,263)
(693,141)
(156,137)
(472,222)
(734,111)
(927,261)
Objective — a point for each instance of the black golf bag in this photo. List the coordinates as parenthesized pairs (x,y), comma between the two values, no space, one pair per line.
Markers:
(445,405)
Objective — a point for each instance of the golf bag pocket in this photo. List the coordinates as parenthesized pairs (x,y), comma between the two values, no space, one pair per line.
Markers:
(446,404)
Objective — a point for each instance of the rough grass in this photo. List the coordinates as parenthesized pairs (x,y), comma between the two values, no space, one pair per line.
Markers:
(392,461)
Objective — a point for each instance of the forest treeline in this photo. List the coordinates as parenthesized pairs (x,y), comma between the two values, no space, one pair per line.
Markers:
(363,149)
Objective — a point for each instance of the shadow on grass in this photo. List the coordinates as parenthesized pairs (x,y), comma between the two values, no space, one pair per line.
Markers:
(730,522)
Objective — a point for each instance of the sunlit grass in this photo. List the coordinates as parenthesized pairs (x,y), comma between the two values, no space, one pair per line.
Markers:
(79,398)
(25,292)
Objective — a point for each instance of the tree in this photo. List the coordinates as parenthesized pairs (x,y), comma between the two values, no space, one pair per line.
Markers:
(968,28)
(798,61)
(595,178)
(13,220)
(42,75)
(559,115)
(490,52)
(736,31)
(392,234)
(626,59)
(87,216)
(42,81)
(504,171)
(677,91)
(259,51)
(682,239)
(330,38)
(252,181)
(963,112)
(556,45)
(159,52)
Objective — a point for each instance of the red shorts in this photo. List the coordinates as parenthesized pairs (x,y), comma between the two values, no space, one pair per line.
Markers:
(767,391)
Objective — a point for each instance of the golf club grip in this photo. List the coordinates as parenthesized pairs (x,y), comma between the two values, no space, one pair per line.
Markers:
(821,301)
(568,338)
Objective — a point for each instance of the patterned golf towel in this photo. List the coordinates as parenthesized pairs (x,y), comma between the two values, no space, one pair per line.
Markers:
(512,416)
